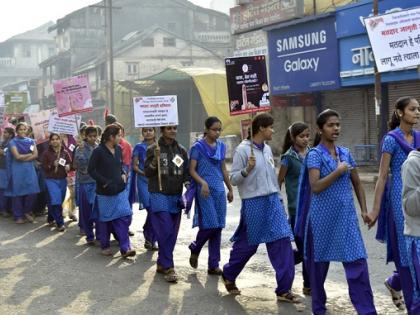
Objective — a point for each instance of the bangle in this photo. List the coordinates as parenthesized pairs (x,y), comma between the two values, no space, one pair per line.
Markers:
(244,173)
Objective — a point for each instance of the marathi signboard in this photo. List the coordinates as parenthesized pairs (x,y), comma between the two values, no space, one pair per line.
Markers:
(356,56)
(155,111)
(303,57)
(259,13)
(213,37)
(68,125)
(395,39)
(251,44)
(72,95)
(39,123)
(247,85)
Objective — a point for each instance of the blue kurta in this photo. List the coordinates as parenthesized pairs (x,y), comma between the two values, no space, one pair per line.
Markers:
(57,189)
(165,203)
(398,156)
(89,189)
(142,182)
(109,208)
(332,213)
(265,220)
(410,242)
(210,212)
(3,179)
(21,176)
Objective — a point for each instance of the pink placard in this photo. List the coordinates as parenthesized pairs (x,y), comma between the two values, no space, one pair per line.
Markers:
(72,95)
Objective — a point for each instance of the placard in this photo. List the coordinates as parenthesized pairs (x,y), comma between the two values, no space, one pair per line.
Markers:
(72,95)
(155,111)
(395,39)
(247,85)
(68,125)
(39,123)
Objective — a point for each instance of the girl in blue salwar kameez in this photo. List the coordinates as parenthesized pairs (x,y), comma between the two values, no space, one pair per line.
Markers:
(208,169)
(56,164)
(263,218)
(330,222)
(5,202)
(141,182)
(396,146)
(22,180)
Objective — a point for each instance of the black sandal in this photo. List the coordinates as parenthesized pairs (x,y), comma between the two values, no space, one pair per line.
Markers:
(288,297)
(231,286)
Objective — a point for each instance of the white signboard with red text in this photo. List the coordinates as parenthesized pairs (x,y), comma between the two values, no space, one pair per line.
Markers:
(395,39)
(155,111)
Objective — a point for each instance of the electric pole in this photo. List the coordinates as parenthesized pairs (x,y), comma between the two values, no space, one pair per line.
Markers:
(378,90)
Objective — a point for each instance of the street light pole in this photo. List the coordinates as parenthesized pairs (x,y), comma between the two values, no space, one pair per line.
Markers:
(110,54)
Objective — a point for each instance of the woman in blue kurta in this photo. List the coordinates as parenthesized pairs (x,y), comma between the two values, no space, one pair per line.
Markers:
(396,146)
(22,181)
(208,169)
(263,218)
(8,134)
(56,164)
(139,158)
(295,148)
(86,186)
(332,228)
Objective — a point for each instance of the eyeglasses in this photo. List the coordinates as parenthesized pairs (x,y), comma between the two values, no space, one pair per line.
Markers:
(172,128)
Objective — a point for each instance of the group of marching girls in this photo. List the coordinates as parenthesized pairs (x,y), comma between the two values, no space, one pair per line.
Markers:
(319,182)
(164,179)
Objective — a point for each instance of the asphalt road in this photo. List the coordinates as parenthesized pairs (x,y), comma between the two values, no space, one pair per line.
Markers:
(46,272)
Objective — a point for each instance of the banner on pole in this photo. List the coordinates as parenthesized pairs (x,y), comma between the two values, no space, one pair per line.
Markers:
(72,95)
(68,125)
(247,85)
(395,39)
(39,123)
(155,111)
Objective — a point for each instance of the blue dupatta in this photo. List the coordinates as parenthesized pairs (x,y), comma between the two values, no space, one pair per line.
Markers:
(216,154)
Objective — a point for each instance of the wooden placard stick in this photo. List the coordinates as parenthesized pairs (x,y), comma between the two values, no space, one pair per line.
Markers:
(158,161)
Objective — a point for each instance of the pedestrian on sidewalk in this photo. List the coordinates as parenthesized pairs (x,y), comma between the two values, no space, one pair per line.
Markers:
(56,164)
(295,148)
(263,217)
(5,202)
(332,231)
(411,206)
(111,208)
(165,203)
(396,145)
(22,180)
(208,170)
(141,182)
(86,185)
